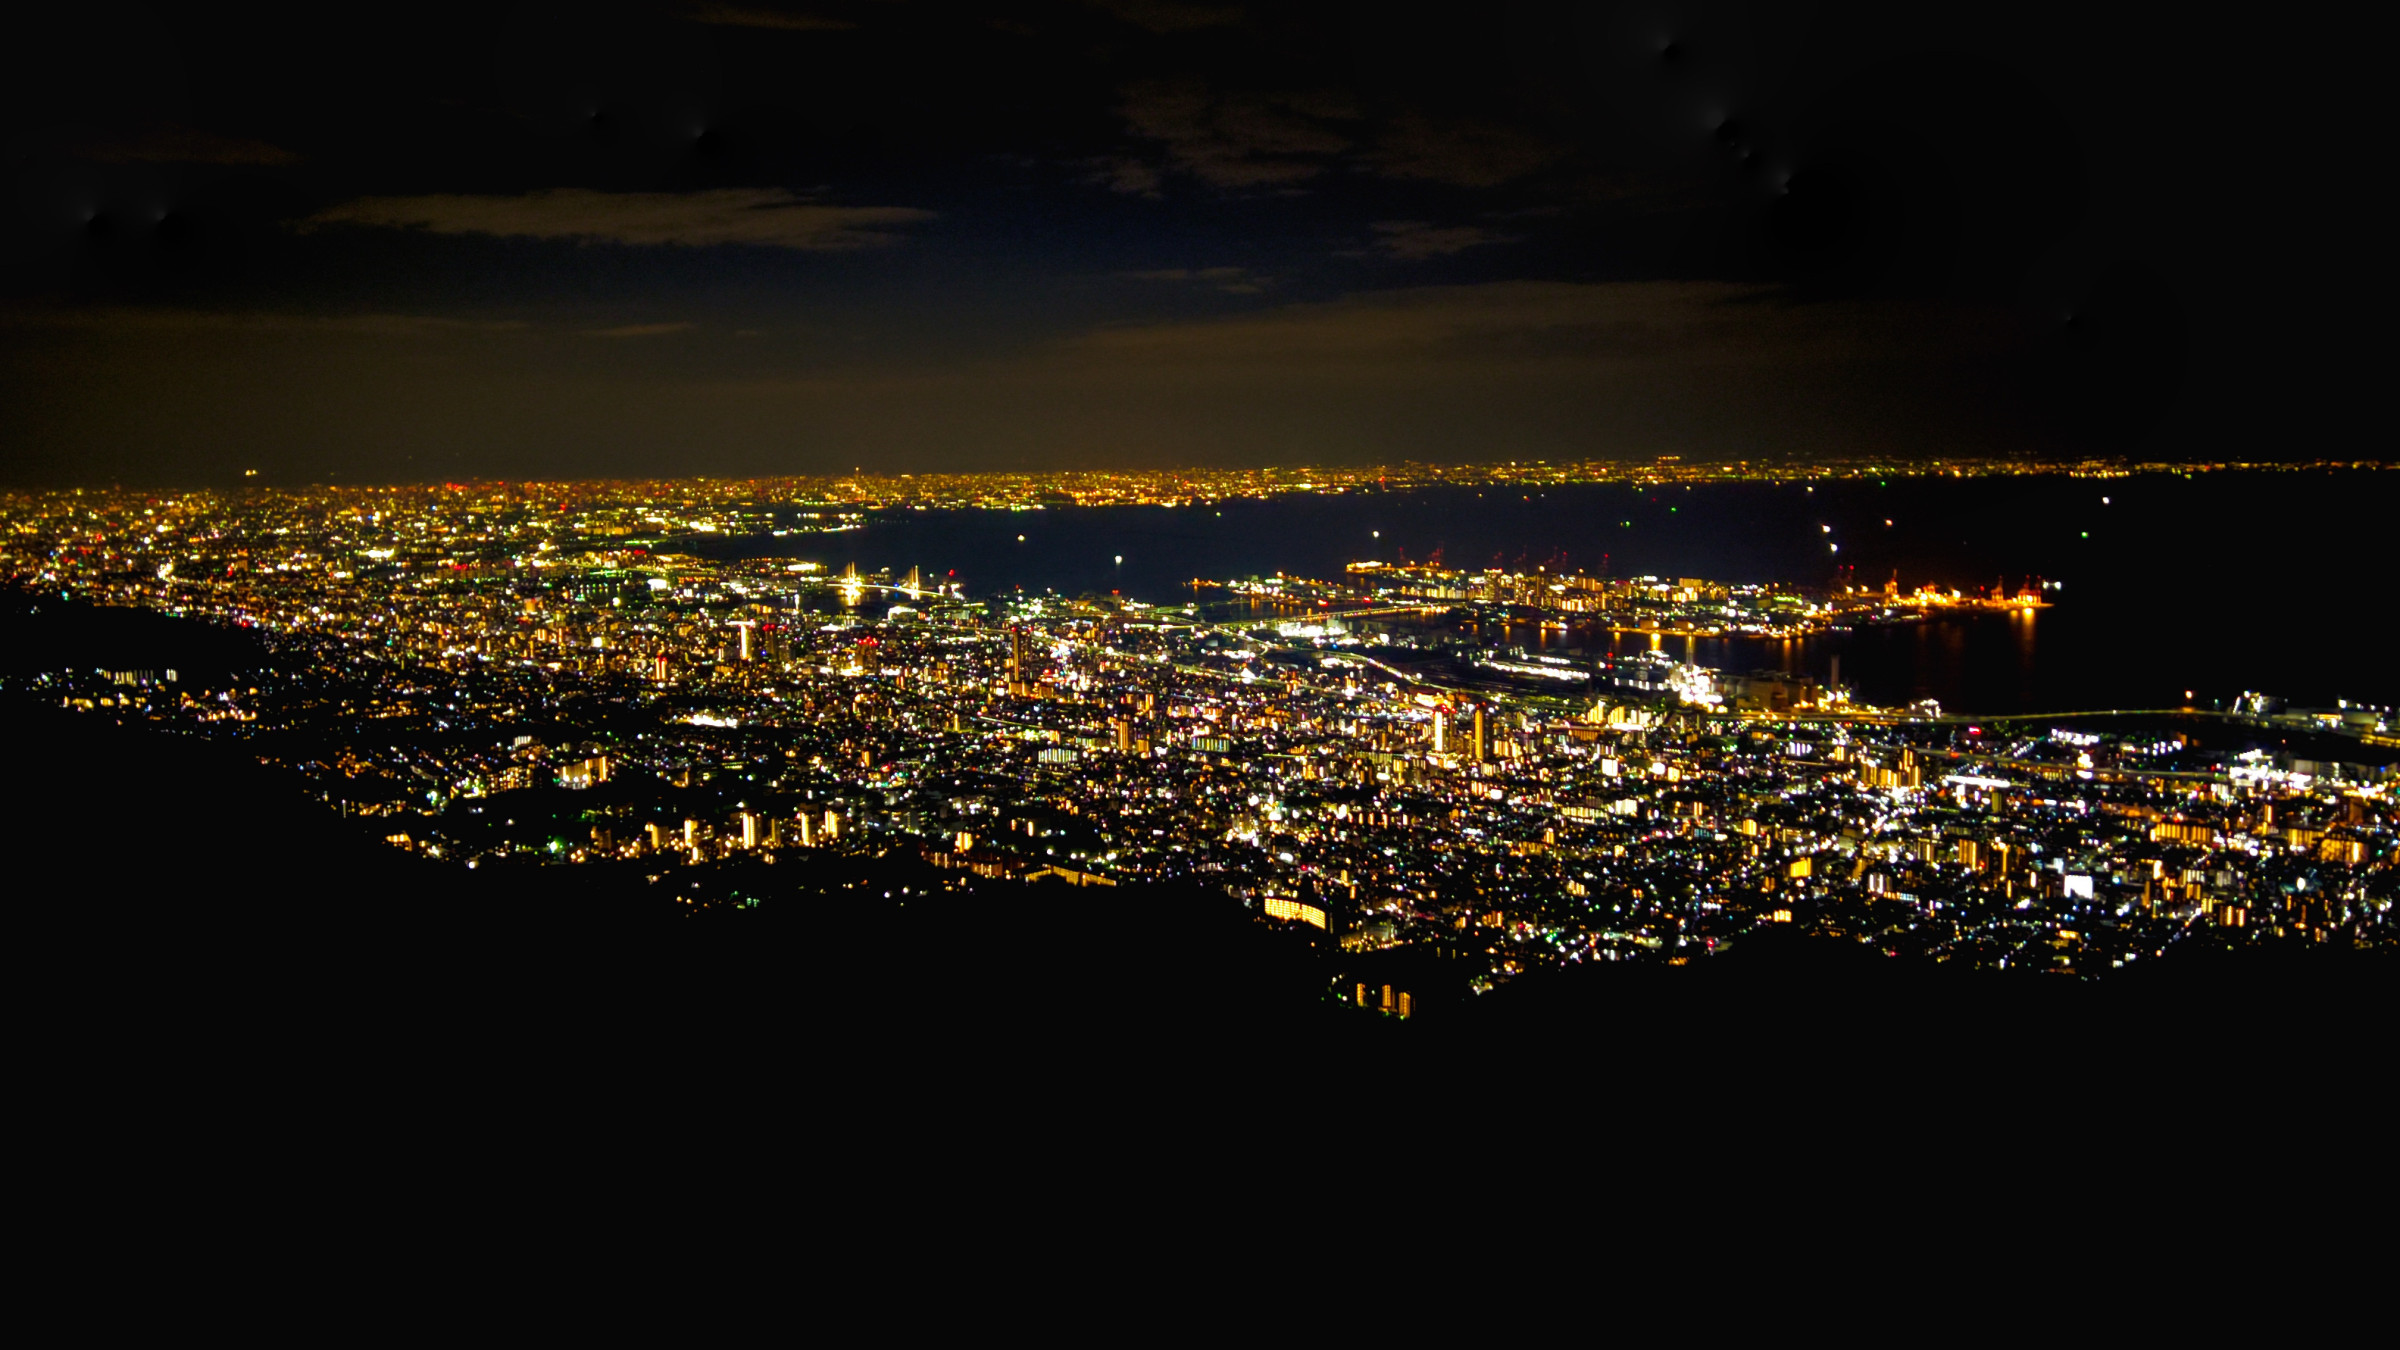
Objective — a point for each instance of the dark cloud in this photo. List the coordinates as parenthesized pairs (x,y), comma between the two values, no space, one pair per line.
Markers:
(1169,16)
(1479,322)
(643,330)
(1231,280)
(147,322)
(760,16)
(1188,274)
(1127,174)
(166,144)
(1417,240)
(1461,152)
(1239,138)
(762,217)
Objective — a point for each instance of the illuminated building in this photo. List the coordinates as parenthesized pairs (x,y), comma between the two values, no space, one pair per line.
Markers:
(1018,685)
(584,772)
(1284,907)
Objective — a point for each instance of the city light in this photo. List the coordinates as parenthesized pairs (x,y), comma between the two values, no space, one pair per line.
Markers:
(1389,757)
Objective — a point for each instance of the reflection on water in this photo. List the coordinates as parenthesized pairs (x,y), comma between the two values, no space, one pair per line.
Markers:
(2144,614)
(1971,662)
(1977,662)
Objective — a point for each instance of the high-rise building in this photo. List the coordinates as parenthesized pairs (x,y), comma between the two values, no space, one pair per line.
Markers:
(1397,1002)
(1441,733)
(744,650)
(1479,744)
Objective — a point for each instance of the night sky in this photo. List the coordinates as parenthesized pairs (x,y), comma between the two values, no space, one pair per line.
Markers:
(741,238)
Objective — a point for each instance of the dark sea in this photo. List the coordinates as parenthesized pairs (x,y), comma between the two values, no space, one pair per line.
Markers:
(2217,583)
